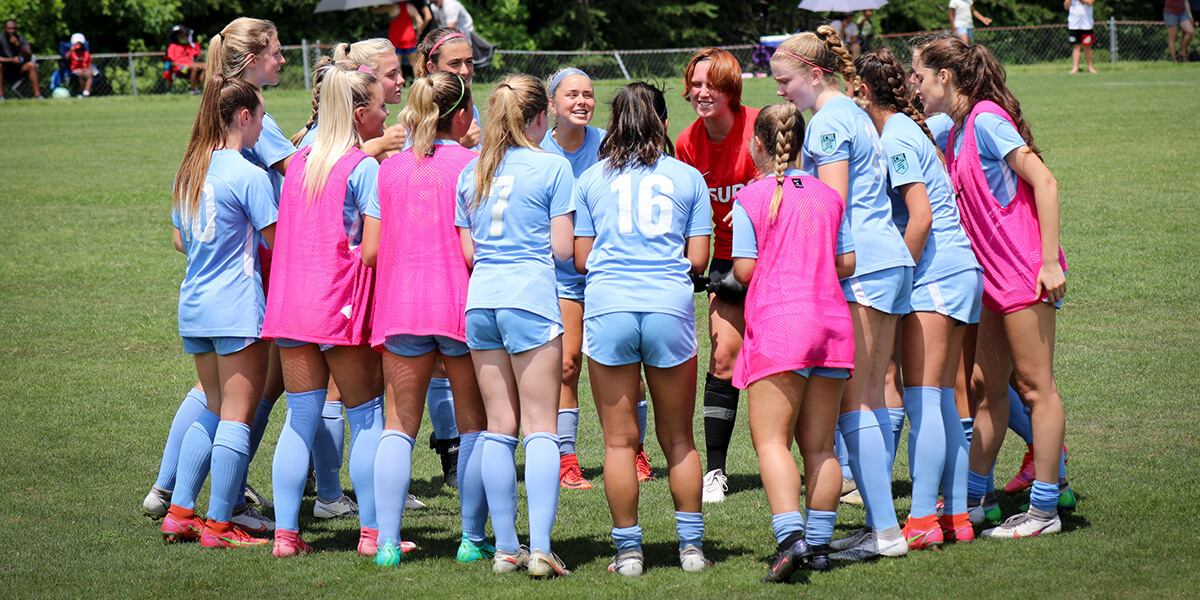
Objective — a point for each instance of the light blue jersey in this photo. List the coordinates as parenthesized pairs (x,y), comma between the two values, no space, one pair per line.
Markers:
(940,125)
(995,138)
(310,136)
(222,294)
(514,266)
(272,146)
(745,236)
(641,219)
(362,191)
(843,131)
(913,159)
(570,281)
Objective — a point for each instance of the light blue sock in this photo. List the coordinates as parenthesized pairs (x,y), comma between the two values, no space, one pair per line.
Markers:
(230,455)
(471,498)
(289,468)
(1044,496)
(843,456)
(441,408)
(968,428)
(328,450)
(643,409)
(926,447)
(499,472)
(689,528)
(393,473)
(195,457)
(896,420)
(194,403)
(568,425)
(541,487)
(1018,416)
(262,417)
(820,526)
(884,418)
(976,485)
(366,425)
(954,474)
(867,446)
(785,524)
(627,538)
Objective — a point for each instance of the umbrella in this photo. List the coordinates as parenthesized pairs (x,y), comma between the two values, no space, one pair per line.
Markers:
(331,5)
(837,5)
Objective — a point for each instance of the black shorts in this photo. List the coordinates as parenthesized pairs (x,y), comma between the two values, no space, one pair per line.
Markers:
(1085,37)
(718,268)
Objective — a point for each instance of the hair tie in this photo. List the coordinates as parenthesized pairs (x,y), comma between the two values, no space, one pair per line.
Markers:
(505,85)
(462,92)
(562,75)
(448,36)
(803,60)
(365,69)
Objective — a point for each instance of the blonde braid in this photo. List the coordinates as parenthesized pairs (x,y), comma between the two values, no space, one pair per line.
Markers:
(833,42)
(783,155)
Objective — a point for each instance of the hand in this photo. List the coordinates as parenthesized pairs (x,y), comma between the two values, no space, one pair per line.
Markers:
(1051,282)
(728,218)
(472,138)
(699,282)
(394,137)
(986,21)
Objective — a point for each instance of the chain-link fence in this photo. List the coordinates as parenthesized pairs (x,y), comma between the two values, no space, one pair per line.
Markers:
(147,73)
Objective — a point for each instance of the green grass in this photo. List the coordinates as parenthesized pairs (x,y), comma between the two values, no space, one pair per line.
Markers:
(91,371)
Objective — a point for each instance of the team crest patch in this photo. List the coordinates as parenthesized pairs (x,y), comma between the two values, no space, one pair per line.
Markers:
(827,142)
(900,164)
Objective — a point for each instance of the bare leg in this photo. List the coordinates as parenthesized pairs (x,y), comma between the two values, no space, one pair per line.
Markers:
(673,393)
(615,391)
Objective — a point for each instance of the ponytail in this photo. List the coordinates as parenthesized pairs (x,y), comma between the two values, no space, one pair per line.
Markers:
(224,98)
(432,103)
(890,89)
(514,104)
(230,51)
(318,79)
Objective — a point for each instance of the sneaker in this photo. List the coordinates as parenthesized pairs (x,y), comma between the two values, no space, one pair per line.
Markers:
(253,498)
(1026,524)
(175,529)
(628,563)
(715,486)
(852,497)
(288,543)
(956,528)
(247,517)
(341,507)
(854,539)
(507,562)
(983,509)
(407,546)
(820,558)
(882,542)
(1024,477)
(923,532)
(410,503)
(691,558)
(388,554)
(469,552)
(368,544)
(85,94)
(848,485)
(793,553)
(544,565)
(570,476)
(642,462)
(157,503)
(234,537)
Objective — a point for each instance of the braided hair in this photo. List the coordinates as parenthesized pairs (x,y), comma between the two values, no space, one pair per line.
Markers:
(784,125)
(890,89)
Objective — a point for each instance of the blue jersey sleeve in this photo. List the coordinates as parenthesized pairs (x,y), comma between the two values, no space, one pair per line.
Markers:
(258,200)
(364,185)
(827,140)
(996,137)
(272,145)
(560,182)
(940,125)
(700,219)
(464,195)
(745,238)
(903,162)
(584,227)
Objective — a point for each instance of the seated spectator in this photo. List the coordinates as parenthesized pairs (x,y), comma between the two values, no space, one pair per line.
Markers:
(183,53)
(17,59)
(81,63)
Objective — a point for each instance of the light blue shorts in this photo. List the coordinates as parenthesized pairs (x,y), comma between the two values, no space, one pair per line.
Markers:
(969,31)
(220,345)
(419,345)
(290,343)
(510,329)
(958,296)
(655,339)
(887,291)
(1174,20)
(827,372)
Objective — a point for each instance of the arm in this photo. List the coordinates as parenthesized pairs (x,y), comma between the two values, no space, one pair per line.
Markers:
(268,234)
(1067,4)
(562,236)
(983,19)
(177,238)
(1028,166)
(951,18)
(468,246)
(417,20)
(696,252)
(391,142)
(837,176)
(743,270)
(583,247)
(844,264)
(370,240)
(282,165)
(920,218)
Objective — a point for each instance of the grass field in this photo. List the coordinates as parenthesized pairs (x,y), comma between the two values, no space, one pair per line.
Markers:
(91,370)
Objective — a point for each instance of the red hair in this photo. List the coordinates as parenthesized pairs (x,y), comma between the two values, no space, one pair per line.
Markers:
(724,74)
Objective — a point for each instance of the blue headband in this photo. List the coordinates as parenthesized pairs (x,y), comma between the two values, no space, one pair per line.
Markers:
(563,74)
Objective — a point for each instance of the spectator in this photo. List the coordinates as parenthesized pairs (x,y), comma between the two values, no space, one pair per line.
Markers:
(866,29)
(182,53)
(81,63)
(1080,25)
(1178,15)
(451,13)
(961,20)
(408,19)
(17,59)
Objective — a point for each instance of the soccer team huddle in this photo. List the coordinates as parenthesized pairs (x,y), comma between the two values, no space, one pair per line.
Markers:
(865,267)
